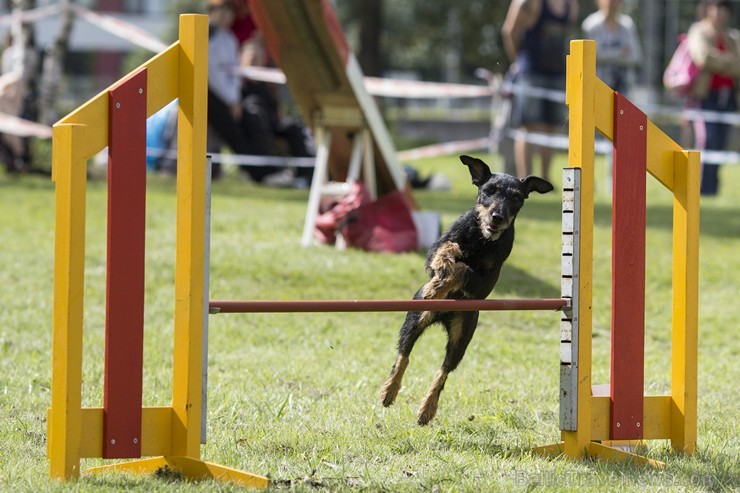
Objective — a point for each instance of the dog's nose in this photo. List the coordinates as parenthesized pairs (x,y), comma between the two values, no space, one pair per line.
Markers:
(497,218)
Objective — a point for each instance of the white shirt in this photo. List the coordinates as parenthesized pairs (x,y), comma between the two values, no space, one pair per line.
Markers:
(223,61)
(617,51)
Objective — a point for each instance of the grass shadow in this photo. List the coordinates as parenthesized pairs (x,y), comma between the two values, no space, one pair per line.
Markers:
(519,283)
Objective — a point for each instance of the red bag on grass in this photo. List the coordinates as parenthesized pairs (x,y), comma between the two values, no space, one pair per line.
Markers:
(382,225)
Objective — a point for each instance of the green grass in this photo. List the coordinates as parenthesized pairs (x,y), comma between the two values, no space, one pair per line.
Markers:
(295,396)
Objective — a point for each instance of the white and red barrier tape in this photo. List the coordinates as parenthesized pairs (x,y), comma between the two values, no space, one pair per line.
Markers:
(31,15)
(122,29)
(443,149)
(13,125)
(559,142)
(395,88)
(390,88)
(242,159)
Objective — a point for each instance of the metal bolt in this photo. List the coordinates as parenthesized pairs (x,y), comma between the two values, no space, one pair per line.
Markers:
(618,424)
(113,441)
(621,112)
(118,105)
(141,91)
(136,440)
(638,424)
(641,127)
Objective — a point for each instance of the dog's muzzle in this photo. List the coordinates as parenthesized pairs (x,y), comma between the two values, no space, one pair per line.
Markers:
(493,226)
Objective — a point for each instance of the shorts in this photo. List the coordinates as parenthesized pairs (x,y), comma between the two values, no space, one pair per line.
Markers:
(528,109)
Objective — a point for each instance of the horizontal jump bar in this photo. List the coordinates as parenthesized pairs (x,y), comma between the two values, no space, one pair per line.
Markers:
(325,306)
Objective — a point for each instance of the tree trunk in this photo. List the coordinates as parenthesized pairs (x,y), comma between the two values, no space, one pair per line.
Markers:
(19,64)
(371,15)
(52,72)
(23,58)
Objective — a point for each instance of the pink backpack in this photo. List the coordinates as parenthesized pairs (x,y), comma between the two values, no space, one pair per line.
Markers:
(681,72)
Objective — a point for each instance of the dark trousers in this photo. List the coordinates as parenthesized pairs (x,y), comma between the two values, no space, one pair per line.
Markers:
(228,129)
(716,135)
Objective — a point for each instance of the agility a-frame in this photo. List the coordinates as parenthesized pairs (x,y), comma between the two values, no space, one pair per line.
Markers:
(589,422)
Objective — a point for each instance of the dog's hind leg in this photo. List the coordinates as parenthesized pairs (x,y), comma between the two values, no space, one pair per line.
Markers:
(460,329)
(412,328)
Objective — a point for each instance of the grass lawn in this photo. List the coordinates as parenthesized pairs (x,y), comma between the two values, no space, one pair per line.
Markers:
(295,396)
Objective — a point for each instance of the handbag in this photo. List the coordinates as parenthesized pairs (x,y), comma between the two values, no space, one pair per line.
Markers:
(681,72)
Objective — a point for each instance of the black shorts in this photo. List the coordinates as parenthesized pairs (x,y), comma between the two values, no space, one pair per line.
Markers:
(531,108)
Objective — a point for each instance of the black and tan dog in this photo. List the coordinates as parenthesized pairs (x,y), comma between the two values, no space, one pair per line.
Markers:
(464,263)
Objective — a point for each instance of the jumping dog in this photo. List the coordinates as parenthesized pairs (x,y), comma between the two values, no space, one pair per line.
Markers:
(464,263)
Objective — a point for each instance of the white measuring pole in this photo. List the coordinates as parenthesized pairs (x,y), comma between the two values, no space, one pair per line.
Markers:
(569,290)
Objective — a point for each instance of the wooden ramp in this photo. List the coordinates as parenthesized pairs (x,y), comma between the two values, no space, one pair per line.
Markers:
(306,40)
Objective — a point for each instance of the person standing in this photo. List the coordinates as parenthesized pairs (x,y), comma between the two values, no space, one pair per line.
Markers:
(618,53)
(618,50)
(535,35)
(715,49)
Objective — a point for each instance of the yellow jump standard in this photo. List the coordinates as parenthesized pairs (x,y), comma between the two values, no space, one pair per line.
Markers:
(172,433)
(589,422)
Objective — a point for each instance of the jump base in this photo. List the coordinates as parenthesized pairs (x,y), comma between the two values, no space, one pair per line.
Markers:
(188,468)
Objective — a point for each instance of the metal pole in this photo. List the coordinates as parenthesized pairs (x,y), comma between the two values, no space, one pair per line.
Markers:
(206,284)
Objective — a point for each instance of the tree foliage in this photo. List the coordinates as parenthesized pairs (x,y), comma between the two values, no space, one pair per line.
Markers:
(416,34)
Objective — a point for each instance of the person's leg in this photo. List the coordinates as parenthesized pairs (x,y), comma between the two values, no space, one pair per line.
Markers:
(219,117)
(259,141)
(522,153)
(540,115)
(554,117)
(526,113)
(544,151)
(716,138)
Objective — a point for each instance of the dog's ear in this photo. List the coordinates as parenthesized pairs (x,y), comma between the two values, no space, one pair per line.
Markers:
(479,171)
(536,184)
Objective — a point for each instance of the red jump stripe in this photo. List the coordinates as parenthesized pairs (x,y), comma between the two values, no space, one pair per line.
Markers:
(628,270)
(124,319)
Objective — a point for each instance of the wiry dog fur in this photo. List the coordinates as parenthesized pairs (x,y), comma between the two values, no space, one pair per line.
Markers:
(464,263)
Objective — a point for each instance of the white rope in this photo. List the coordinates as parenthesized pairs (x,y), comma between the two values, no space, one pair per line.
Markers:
(13,125)
(383,87)
(241,159)
(31,15)
(122,29)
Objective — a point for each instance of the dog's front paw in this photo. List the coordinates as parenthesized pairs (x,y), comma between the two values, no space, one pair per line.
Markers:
(443,283)
(459,271)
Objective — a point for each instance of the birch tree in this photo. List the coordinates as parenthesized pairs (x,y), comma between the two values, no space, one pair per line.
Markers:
(53,66)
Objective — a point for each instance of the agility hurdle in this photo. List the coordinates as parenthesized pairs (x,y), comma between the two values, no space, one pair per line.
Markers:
(589,422)
(122,428)
(171,434)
